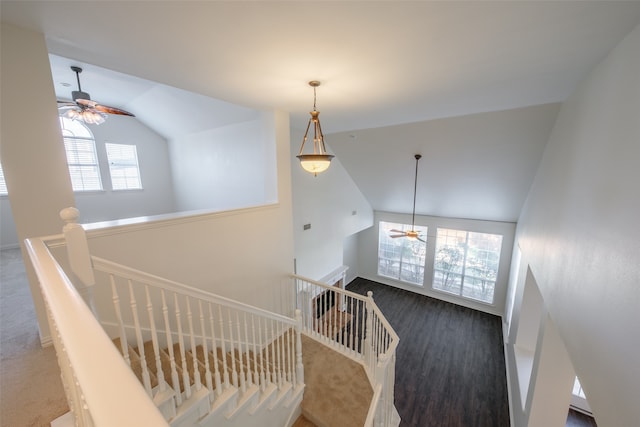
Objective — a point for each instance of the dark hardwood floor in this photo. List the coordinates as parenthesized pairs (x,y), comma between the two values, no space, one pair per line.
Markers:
(450,368)
(578,419)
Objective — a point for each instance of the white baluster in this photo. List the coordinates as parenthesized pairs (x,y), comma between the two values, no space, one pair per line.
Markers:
(205,351)
(183,359)
(243,383)
(116,306)
(247,349)
(359,328)
(368,330)
(256,372)
(234,371)
(214,351)
(299,364)
(225,367)
(260,356)
(154,341)
(192,338)
(274,363)
(172,360)
(281,361)
(268,364)
(146,380)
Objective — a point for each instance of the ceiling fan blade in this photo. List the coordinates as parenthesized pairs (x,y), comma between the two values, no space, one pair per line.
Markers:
(396,231)
(424,241)
(67,106)
(103,108)
(395,236)
(112,110)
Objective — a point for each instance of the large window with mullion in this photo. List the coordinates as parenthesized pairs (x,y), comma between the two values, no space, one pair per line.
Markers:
(80,147)
(466,263)
(401,258)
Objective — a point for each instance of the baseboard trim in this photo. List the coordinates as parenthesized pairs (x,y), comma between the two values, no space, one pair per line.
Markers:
(505,343)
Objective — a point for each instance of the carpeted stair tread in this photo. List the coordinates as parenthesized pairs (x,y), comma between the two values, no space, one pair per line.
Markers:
(136,363)
(165,363)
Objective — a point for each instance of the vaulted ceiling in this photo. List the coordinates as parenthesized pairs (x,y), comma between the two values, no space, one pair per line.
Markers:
(183,65)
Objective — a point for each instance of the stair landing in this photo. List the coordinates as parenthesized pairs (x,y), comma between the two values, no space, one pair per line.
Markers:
(338,392)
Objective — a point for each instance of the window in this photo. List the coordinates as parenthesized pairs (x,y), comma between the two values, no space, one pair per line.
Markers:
(401,258)
(80,147)
(466,263)
(3,184)
(123,166)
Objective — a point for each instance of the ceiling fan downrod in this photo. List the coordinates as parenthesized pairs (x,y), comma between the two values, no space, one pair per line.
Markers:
(415,186)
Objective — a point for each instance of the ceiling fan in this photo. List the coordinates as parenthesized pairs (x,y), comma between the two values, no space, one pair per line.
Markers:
(84,109)
(412,234)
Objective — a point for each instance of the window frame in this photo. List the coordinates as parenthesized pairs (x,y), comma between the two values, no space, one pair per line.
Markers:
(131,163)
(76,168)
(463,265)
(4,191)
(402,243)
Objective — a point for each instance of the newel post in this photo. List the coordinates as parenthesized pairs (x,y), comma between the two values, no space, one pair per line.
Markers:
(368,332)
(299,365)
(78,253)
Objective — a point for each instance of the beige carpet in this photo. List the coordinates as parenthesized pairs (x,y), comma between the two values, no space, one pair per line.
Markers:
(337,391)
(31,392)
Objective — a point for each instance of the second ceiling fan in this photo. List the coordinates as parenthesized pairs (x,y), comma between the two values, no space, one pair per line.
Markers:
(412,234)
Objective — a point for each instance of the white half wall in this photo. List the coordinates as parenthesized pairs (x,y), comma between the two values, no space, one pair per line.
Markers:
(579,234)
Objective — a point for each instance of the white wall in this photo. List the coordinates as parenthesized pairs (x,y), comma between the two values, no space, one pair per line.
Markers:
(327,202)
(32,152)
(157,195)
(368,256)
(224,168)
(580,236)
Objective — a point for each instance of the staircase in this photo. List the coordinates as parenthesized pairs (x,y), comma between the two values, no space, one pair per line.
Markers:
(136,349)
(196,408)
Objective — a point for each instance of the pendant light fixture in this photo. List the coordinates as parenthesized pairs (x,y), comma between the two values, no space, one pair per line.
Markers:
(319,161)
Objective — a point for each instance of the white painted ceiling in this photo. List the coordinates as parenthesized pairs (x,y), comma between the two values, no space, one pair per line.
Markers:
(381,63)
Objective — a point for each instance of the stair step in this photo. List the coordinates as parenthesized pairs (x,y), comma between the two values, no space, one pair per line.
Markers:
(136,363)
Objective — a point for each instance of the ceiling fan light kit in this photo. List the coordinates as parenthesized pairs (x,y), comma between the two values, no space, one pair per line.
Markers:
(84,109)
(411,234)
(318,161)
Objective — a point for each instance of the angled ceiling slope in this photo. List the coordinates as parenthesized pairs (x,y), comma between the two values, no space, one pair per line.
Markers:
(169,111)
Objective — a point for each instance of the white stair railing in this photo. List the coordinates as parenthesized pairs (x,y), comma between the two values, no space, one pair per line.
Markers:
(353,325)
(100,388)
(212,343)
(198,357)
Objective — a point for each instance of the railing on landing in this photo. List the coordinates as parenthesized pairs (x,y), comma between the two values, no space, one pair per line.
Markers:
(353,325)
